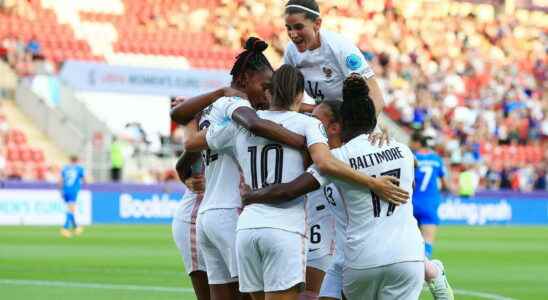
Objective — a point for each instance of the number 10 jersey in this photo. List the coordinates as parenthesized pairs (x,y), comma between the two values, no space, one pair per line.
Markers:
(266,162)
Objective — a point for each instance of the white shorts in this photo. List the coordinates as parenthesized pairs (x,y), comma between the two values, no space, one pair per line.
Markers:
(321,227)
(321,263)
(216,239)
(184,235)
(332,284)
(401,281)
(270,259)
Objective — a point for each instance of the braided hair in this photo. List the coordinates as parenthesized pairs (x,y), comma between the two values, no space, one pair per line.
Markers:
(357,110)
(251,59)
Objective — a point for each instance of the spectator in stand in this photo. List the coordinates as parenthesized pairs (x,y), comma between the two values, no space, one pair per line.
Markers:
(33,48)
(468,179)
(2,162)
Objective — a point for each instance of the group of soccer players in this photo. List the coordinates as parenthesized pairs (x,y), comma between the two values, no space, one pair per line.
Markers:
(272,213)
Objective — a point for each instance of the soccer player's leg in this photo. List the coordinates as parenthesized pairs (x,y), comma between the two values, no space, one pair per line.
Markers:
(437,280)
(332,284)
(70,222)
(216,238)
(184,235)
(284,263)
(426,213)
(402,281)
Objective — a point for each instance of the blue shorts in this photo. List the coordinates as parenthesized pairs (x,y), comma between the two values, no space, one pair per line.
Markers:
(426,212)
(70,197)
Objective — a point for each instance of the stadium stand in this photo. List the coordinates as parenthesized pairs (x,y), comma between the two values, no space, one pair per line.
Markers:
(444,65)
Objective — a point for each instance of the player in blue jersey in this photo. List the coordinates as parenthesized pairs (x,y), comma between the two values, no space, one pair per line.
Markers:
(72,179)
(429,171)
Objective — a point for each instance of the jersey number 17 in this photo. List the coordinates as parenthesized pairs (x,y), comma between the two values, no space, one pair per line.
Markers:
(377,200)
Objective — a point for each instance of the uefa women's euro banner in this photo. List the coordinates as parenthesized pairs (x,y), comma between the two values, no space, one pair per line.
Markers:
(41,204)
(101,77)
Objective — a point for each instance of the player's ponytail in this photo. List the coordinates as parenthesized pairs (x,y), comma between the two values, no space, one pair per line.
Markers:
(251,59)
(287,84)
(357,111)
(309,8)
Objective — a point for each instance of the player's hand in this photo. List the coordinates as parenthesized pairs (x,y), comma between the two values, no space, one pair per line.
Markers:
(386,187)
(380,139)
(244,191)
(232,92)
(176,101)
(196,184)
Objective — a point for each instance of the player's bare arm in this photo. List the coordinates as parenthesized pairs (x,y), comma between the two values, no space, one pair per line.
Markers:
(247,118)
(278,193)
(186,110)
(385,186)
(307,108)
(184,169)
(194,140)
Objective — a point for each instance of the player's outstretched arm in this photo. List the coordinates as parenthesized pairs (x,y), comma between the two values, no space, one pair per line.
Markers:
(193,139)
(279,193)
(248,119)
(385,186)
(186,110)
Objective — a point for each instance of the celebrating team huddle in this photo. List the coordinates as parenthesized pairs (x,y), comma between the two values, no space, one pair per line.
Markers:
(296,201)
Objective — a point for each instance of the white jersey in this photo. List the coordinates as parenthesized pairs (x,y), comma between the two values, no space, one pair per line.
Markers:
(326,67)
(337,207)
(221,170)
(190,203)
(378,233)
(321,225)
(265,162)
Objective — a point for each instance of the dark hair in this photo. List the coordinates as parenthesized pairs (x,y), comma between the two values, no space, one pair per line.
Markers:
(73,158)
(252,59)
(357,110)
(423,140)
(335,109)
(311,4)
(287,83)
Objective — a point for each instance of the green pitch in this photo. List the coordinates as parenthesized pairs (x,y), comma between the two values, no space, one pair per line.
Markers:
(141,262)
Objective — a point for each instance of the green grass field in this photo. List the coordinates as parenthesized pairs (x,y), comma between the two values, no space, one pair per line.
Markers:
(141,262)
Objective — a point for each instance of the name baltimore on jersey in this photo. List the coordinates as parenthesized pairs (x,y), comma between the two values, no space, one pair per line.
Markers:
(372,159)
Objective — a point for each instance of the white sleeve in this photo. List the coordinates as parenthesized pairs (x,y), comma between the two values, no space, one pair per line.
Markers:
(314,132)
(322,180)
(235,103)
(221,136)
(351,59)
(288,56)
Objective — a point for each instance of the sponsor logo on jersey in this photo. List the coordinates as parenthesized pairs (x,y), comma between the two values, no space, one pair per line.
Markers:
(327,71)
(353,62)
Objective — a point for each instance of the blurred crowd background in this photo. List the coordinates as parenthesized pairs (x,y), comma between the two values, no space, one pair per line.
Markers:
(469,74)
